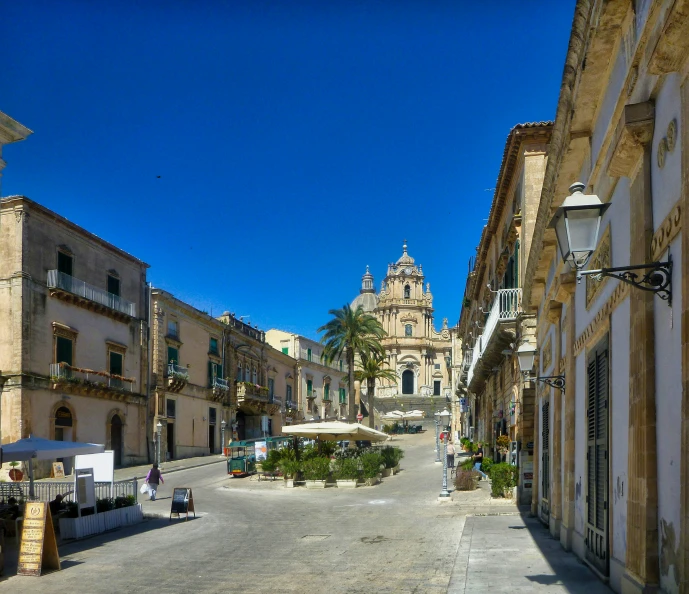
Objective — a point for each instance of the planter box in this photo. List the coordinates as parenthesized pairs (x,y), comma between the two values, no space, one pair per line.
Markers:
(289,483)
(387,472)
(315,484)
(395,469)
(372,481)
(71,528)
(347,484)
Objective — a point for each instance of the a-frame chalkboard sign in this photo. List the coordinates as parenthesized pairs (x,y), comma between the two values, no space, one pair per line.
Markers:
(182,502)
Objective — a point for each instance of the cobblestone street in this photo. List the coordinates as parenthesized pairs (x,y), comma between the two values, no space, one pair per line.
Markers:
(252,536)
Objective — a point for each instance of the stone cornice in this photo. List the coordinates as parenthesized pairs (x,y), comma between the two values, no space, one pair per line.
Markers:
(633,133)
(672,48)
(667,231)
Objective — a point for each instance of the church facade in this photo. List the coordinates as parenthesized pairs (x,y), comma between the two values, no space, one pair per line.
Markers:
(419,354)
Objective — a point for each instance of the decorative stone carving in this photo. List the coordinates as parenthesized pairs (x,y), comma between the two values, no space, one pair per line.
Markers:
(601,258)
(667,231)
(618,295)
(547,353)
(671,136)
(634,132)
(662,151)
(673,43)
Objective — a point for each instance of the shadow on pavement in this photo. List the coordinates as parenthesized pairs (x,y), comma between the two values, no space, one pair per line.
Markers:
(72,547)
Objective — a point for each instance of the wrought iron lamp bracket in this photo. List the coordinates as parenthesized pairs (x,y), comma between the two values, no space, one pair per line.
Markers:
(657,280)
(554,381)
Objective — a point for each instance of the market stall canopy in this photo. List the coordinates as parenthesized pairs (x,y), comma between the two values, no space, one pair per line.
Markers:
(335,431)
(37,448)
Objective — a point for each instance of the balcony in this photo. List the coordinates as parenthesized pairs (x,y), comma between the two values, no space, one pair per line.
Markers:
(68,378)
(276,400)
(255,399)
(177,377)
(246,329)
(64,286)
(316,358)
(498,333)
(248,391)
(290,405)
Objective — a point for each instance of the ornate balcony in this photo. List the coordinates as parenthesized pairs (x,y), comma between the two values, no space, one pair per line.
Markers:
(256,399)
(76,380)
(177,377)
(220,390)
(66,287)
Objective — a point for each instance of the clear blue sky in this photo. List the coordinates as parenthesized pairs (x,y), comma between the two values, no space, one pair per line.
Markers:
(296,142)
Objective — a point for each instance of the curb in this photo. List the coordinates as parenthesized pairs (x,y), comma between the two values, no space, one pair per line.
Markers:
(138,478)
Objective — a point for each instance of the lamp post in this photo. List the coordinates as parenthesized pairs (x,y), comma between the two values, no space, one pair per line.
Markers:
(526,355)
(445,415)
(577,223)
(222,435)
(437,438)
(159,426)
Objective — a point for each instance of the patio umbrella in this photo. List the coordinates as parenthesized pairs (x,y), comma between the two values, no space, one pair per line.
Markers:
(37,448)
(335,431)
(394,415)
(414,415)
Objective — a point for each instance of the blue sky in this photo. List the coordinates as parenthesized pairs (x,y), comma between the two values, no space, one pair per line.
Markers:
(296,142)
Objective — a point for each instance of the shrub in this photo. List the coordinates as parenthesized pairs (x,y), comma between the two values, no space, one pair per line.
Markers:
(504,477)
(288,464)
(272,460)
(468,464)
(105,504)
(124,501)
(316,469)
(487,464)
(465,480)
(391,456)
(371,463)
(309,452)
(328,448)
(346,469)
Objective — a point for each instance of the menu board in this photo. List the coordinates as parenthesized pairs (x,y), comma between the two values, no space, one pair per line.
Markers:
(182,502)
(58,470)
(38,547)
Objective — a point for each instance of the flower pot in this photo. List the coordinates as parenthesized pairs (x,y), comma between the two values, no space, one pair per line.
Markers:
(372,481)
(387,472)
(347,484)
(16,475)
(315,484)
(289,483)
(395,469)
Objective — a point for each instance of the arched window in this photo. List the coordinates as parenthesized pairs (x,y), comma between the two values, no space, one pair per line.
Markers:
(239,372)
(407,330)
(247,373)
(407,292)
(254,376)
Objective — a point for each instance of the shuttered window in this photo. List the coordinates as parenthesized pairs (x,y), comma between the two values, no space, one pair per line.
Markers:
(63,350)
(309,388)
(597,389)
(545,458)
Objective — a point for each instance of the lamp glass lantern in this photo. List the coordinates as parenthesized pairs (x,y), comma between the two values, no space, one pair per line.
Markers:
(526,354)
(577,223)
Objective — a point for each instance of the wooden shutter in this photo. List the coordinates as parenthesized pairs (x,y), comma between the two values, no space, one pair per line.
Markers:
(210,374)
(597,387)
(172,355)
(545,460)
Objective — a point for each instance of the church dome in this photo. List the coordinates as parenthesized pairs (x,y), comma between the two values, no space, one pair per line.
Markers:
(405,258)
(367,297)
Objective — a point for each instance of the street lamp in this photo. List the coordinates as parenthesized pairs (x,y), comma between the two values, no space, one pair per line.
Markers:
(437,437)
(222,435)
(445,415)
(526,355)
(577,223)
(159,426)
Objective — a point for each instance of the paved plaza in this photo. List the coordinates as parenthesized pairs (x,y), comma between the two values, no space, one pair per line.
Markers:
(252,536)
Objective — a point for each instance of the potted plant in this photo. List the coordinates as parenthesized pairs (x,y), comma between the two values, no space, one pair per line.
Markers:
(370,464)
(290,467)
(391,458)
(316,471)
(15,474)
(504,478)
(346,472)
(503,444)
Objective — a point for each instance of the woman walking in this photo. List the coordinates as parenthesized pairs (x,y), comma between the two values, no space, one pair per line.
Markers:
(450,455)
(154,478)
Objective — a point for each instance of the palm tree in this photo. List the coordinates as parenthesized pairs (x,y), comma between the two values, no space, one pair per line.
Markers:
(351,332)
(373,368)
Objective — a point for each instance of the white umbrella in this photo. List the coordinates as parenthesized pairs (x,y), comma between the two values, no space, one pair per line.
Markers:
(334,431)
(414,415)
(394,415)
(37,448)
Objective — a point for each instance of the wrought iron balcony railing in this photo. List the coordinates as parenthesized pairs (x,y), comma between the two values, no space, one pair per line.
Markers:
(65,282)
(88,378)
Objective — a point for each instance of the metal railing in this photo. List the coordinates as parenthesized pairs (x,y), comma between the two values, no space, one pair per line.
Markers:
(506,307)
(89,378)
(47,490)
(246,329)
(276,399)
(317,358)
(466,362)
(221,383)
(60,280)
(290,404)
(177,370)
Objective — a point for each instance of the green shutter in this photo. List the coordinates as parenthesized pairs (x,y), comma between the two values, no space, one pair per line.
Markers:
(63,350)
(326,392)
(309,387)
(210,373)
(308,354)
(172,355)
(285,350)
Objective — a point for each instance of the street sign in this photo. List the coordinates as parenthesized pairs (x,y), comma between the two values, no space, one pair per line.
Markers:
(359,417)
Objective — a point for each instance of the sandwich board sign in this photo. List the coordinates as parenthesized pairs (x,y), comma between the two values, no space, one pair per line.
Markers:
(38,547)
(58,470)
(182,502)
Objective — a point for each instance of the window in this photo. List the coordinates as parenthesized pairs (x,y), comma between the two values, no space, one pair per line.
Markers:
(437,365)
(113,284)
(214,371)
(289,394)
(436,388)
(407,330)
(407,292)
(116,363)
(308,354)
(309,388)
(343,396)
(64,350)
(172,355)
(254,376)
(64,263)
(285,350)
(239,372)
(212,415)
(326,392)
(170,408)
(213,346)
(247,374)
(173,329)
(341,365)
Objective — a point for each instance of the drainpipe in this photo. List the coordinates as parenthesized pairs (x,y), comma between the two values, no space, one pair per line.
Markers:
(149,417)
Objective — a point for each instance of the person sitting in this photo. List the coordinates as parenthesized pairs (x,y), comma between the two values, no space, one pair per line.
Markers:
(57,505)
(12,512)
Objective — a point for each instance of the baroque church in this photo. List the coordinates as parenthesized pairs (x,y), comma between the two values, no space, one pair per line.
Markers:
(415,350)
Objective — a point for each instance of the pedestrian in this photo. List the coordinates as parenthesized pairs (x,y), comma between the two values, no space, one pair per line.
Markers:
(478,460)
(450,455)
(57,505)
(154,478)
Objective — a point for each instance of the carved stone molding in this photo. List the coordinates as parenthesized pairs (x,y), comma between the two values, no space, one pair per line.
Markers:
(618,295)
(601,258)
(554,311)
(634,132)
(547,353)
(672,48)
(667,231)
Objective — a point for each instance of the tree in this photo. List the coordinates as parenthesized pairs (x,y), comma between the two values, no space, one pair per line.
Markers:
(351,332)
(370,369)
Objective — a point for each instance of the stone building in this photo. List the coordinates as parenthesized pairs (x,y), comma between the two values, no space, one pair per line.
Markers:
(72,334)
(321,388)
(420,355)
(495,401)
(612,447)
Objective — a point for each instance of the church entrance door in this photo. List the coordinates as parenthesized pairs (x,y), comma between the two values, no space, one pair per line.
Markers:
(408,382)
